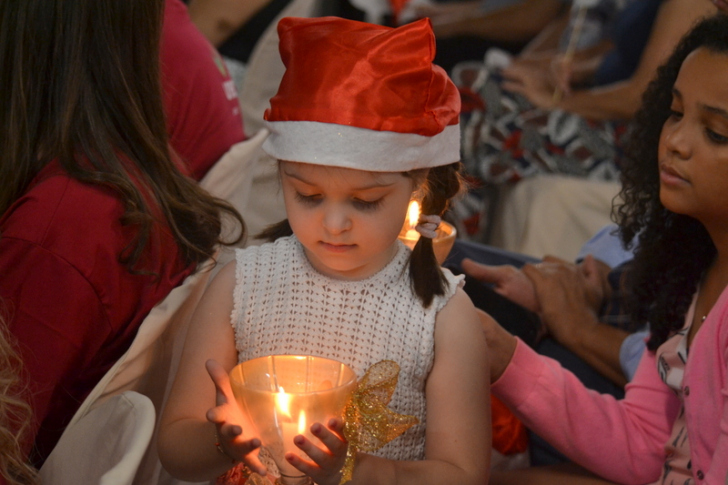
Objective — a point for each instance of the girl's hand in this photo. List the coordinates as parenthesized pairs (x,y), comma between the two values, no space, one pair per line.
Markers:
(325,467)
(228,419)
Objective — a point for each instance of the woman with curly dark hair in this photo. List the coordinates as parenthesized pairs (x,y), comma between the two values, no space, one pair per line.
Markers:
(672,425)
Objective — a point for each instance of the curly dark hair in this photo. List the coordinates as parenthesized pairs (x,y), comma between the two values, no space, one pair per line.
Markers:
(673,251)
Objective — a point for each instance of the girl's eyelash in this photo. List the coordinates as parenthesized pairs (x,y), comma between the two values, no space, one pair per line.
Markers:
(366,204)
(358,203)
(715,137)
(307,199)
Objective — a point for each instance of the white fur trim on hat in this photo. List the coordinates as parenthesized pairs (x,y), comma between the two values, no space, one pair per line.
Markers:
(360,148)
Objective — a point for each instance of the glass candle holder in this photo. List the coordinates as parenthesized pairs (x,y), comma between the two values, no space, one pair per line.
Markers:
(442,244)
(283,395)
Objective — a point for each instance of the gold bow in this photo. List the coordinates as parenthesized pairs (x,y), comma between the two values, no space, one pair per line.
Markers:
(370,424)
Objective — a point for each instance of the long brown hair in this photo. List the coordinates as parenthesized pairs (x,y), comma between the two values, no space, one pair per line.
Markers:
(79,83)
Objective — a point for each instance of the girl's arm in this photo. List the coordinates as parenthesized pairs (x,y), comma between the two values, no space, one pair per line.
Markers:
(622,441)
(458,436)
(187,440)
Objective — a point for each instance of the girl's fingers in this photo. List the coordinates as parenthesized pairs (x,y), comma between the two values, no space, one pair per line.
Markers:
(318,473)
(223,391)
(331,440)
(337,425)
(319,456)
(231,432)
(253,462)
(306,467)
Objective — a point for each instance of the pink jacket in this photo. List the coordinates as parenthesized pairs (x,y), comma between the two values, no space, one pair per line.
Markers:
(623,440)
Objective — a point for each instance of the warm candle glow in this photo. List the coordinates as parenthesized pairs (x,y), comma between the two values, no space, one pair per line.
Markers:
(442,244)
(302,422)
(413,213)
(409,235)
(283,402)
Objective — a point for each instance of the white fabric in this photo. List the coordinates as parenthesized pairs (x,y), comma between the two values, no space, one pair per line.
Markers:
(265,68)
(284,306)
(148,368)
(119,432)
(359,148)
(552,215)
(231,178)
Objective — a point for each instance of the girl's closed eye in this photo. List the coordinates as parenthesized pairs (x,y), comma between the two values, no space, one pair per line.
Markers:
(368,204)
(716,137)
(312,199)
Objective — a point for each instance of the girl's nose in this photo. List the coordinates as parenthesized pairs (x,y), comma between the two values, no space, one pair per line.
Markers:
(336,221)
(677,140)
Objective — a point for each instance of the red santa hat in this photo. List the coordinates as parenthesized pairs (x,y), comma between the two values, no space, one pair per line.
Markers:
(362,96)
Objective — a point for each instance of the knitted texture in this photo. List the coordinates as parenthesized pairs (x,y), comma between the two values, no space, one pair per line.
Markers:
(284,306)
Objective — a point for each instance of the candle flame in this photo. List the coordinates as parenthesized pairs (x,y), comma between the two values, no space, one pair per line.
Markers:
(413,213)
(302,422)
(283,403)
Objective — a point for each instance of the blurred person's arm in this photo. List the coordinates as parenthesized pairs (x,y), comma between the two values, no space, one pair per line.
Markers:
(516,23)
(546,43)
(219,19)
(618,100)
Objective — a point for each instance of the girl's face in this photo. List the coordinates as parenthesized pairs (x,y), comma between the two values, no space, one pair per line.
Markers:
(693,150)
(347,220)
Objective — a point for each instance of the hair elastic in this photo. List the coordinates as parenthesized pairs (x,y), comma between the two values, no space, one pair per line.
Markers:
(427,226)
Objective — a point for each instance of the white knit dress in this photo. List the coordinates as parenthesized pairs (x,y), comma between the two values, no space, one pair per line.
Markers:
(284,306)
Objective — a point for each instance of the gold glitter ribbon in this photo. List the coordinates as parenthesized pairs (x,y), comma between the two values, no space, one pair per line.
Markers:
(370,424)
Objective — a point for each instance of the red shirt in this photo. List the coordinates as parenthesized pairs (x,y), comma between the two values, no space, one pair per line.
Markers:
(72,306)
(201,102)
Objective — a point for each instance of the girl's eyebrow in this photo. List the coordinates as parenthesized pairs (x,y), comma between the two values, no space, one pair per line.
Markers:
(715,110)
(710,109)
(373,185)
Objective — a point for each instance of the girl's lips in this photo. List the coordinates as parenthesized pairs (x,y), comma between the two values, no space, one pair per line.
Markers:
(337,248)
(669,176)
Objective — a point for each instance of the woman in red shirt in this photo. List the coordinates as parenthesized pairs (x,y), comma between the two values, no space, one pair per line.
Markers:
(97,225)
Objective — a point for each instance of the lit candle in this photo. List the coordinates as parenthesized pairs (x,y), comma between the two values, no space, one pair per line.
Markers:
(409,235)
(442,244)
(290,428)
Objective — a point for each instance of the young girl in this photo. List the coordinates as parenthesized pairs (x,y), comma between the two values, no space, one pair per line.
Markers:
(672,425)
(362,122)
